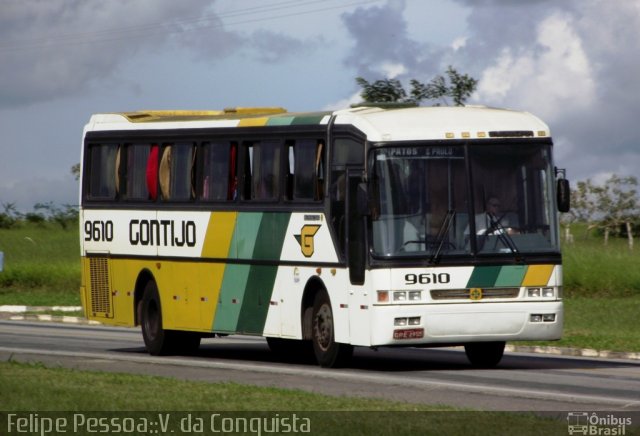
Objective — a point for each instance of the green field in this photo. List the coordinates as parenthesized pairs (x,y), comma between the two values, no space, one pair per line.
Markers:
(602,284)
(37,388)
(41,265)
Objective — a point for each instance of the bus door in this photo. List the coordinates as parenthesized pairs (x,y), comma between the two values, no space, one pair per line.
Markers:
(355,249)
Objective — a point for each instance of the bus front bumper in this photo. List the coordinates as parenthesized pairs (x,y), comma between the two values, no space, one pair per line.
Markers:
(463,323)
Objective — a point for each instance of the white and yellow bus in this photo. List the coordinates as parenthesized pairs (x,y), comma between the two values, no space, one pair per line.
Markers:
(360,227)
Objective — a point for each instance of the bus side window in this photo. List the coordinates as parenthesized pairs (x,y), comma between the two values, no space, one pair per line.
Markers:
(101,172)
(218,168)
(346,152)
(303,180)
(134,163)
(262,171)
(176,171)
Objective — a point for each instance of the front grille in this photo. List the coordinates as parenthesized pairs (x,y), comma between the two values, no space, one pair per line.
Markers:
(100,291)
(465,294)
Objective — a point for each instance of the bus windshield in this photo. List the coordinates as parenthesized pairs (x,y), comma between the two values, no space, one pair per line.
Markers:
(425,196)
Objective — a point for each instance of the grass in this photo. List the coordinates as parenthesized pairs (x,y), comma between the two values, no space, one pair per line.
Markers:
(592,269)
(600,323)
(41,265)
(37,388)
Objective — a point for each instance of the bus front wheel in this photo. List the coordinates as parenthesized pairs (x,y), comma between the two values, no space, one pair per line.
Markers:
(329,353)
(157,340)
(484,354)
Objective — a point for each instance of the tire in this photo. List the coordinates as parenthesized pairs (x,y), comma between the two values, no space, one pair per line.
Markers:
(484,354)
(329,353)
(158,341)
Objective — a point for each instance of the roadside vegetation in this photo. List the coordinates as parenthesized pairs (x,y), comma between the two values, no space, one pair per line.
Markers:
(36,387)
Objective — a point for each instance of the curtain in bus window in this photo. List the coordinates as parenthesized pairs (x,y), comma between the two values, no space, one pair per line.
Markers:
(135,172)
(265,163)
(102,171)
(152,172)
(304,175)
(181,171)
(216,158)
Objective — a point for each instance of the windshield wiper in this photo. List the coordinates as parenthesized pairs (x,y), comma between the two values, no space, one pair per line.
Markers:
(442,234)
(498,229)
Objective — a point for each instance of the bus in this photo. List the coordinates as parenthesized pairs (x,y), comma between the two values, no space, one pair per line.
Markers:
(324,231)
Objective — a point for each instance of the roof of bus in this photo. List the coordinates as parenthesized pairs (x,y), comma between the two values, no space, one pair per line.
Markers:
(378,124)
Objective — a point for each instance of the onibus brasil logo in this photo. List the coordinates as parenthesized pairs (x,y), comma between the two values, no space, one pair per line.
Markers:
(593,424)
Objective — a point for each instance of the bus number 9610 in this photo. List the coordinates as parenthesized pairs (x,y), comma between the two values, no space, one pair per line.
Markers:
(427,278)
(98,231)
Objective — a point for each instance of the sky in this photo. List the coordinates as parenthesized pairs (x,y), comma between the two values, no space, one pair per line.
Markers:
(573,63)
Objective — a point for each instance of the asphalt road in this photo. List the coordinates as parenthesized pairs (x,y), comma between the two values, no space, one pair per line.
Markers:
(522,382)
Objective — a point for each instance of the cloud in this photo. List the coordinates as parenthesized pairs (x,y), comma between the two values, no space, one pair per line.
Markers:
(271,47)
(382,46)
(54,48)
(553,75)
(574,63)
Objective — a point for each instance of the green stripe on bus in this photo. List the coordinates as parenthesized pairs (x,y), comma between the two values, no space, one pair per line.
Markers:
(234,282)
(231,298)
(246,233)
(483,276)
(309,119)
(257,294)
(511,276)
(280,121)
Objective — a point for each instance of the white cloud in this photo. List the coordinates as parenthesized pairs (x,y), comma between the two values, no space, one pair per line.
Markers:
(391,70)
(551,76)
(344,103)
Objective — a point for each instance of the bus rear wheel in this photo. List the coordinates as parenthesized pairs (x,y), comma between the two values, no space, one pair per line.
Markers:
(484,354)
(329,353)
(157,340)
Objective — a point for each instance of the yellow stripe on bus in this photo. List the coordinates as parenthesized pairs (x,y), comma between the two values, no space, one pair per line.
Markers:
(219,235)
(253,122)
(537,275)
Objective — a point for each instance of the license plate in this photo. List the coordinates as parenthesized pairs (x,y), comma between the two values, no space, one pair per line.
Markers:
(408,334)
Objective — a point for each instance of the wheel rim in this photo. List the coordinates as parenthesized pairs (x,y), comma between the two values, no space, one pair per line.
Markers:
(323,327)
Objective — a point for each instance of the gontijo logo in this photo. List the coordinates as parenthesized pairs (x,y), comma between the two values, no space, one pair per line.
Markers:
(305,238)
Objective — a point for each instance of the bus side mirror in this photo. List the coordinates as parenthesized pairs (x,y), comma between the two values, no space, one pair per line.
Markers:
(564,195)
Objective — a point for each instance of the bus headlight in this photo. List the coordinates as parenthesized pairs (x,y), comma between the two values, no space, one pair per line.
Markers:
(546,292)
(533,292)
(399,295)
(415,295)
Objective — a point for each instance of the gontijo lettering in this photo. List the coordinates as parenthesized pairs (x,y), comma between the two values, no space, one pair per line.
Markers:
(166,233)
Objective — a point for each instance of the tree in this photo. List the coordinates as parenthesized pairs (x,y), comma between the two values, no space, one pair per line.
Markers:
(617,201)
(75,170)
(609,206)
(382,91)
(457,86)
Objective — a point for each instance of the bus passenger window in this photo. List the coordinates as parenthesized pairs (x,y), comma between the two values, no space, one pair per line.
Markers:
(137,172)
(264,170)
(101,171)
(217,159)
(304,169)
(176,170)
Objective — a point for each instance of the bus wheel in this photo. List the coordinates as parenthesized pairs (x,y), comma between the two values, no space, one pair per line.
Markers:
(484,354)
(158,340)
(329,353)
